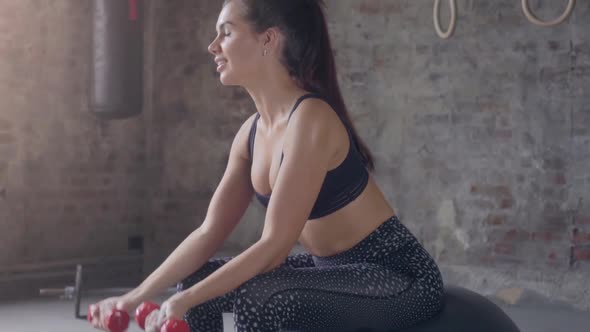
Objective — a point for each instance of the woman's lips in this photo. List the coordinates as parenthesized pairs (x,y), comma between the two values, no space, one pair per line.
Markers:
(220,64)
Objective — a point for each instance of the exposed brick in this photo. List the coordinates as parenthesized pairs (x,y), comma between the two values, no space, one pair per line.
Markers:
(504,122)
(504,248)
(580,237)
(503,134)
(506,203)
(107,181)
(516,235)
(372,7)
(89,193)
(555,222)
(496,219)
(554,193)
(559,179)
(545,236)
(512,260)
(489,190)
(481,204)
(553,45)
(551,207)
(140,194)
(582,220)
(430,119)
(581,253)
(176,136)
(487,260)
(5,124)
(554,163)
(79,181)
(171,206)
(6,138)
(492,106)
(70,208)
(554,260)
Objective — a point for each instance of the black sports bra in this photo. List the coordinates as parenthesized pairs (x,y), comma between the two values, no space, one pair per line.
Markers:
(341,185)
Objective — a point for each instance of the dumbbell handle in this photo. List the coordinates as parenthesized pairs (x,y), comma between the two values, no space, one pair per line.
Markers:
(171,325)
(115,321)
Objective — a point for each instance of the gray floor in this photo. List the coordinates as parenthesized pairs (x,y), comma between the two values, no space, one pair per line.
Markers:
(54,315)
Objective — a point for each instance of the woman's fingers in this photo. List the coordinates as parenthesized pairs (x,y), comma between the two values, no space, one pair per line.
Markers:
(151,321)
(95,315)
(99,310)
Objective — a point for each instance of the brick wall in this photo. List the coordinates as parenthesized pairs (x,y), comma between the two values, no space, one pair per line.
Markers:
(481,141)
(70,184)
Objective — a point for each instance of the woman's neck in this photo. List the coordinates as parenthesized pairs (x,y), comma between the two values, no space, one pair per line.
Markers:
(274,101)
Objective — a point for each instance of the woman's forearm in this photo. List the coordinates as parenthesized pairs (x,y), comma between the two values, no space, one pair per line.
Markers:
(189,256)
(259,258)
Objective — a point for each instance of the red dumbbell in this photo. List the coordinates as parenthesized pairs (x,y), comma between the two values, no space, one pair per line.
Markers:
(175,325)
(171,325)
(115,321)
(143,311)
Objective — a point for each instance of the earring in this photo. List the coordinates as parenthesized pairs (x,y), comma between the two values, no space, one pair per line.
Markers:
(265,51)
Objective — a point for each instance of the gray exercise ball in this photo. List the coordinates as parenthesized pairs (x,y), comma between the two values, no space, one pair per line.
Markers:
(466,311)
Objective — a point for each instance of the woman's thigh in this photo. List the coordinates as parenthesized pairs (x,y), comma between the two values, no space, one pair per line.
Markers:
(331,298)
(208,316)
(295,261)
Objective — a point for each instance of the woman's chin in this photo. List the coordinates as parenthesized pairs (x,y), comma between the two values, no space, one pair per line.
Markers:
(226,79)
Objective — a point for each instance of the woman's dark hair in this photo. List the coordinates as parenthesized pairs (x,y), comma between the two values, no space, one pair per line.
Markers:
(307,51)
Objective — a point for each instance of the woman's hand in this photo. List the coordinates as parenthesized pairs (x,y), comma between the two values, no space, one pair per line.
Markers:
(174,308)
(100,310)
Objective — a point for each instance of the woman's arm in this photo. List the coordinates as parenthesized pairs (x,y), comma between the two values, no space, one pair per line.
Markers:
(227,206)
(301,175)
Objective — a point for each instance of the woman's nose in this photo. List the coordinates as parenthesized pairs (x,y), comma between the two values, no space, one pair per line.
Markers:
(213,47)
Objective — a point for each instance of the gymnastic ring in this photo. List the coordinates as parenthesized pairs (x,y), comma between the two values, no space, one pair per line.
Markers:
(533,19)
(452,23)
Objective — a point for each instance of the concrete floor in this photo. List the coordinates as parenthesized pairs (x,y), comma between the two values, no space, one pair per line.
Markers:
(54,315)
(57,315)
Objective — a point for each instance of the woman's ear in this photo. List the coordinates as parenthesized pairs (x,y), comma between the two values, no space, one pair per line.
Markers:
(271,39)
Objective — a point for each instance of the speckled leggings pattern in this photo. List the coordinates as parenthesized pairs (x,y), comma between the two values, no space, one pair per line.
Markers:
(387,281)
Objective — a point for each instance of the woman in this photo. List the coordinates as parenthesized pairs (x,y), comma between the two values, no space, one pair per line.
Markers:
(302,158)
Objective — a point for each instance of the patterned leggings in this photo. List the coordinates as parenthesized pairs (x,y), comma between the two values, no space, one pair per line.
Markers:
(385,282)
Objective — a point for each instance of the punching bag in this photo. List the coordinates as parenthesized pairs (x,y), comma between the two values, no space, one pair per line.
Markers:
(116,73)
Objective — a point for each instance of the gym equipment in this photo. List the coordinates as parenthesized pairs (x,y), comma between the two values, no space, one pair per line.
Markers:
(116,320)
(171,325)
(76,292)
(116,73)
(143,311)
(466,311)
(533,19)
(445,34)
(463,311)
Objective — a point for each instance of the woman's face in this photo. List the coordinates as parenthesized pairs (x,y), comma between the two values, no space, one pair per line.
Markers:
(237,49)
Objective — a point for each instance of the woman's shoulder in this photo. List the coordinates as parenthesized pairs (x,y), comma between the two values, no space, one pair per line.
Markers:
(241,139)
(246,126)
(316,115)
(315,119)
(314,112)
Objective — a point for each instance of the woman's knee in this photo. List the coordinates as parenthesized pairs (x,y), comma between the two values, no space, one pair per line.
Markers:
(203,272)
